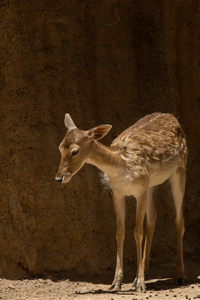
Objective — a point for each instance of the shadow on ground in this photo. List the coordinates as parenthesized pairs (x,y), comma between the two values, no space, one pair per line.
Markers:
(160,277)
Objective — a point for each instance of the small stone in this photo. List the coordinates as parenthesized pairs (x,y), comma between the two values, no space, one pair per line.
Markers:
(198,296)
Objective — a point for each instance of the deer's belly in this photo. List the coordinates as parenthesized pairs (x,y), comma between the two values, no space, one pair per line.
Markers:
(127,185)
(157,177)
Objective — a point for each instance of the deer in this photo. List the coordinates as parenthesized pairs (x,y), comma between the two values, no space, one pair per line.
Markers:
(143,156)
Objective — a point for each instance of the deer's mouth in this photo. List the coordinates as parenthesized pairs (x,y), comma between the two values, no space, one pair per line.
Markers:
(63,178)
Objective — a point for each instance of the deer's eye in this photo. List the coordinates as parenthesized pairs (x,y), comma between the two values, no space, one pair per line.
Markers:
(75,152)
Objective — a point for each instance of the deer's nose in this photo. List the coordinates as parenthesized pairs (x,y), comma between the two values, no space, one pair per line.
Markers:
(59,179)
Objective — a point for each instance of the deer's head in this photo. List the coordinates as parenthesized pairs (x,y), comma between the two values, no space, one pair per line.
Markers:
(75,148)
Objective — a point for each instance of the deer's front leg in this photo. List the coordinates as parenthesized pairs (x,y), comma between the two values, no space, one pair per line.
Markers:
(139,282)
(119,207)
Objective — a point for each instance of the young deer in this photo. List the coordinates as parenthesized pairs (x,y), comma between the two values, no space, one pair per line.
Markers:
(143,156)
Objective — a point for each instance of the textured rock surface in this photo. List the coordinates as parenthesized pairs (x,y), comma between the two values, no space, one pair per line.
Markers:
(103,62)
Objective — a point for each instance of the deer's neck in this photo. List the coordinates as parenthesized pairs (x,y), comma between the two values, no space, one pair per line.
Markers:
(105,159)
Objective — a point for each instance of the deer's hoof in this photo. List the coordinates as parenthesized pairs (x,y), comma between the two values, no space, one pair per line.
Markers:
(139,285)
(114,288)
(134,283)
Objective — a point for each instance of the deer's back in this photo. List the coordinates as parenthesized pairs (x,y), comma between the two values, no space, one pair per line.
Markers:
(154,139)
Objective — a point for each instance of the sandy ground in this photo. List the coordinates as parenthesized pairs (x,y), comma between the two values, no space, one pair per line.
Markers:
(65,289)
(55,287)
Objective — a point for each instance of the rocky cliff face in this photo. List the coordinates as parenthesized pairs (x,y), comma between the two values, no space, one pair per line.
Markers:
(103,62)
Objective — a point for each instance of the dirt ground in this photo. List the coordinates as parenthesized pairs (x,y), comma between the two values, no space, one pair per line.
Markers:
(47,289)
(59,287)
(65,289)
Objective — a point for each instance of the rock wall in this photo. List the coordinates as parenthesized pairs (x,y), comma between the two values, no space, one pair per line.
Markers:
(103,62)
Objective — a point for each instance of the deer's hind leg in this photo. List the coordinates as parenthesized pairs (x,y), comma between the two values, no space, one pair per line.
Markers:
(151,217)
(139,282)
(177,181)
(150,226)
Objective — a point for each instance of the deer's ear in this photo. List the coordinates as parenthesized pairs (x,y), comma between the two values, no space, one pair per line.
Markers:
(69,123)
(98,132)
